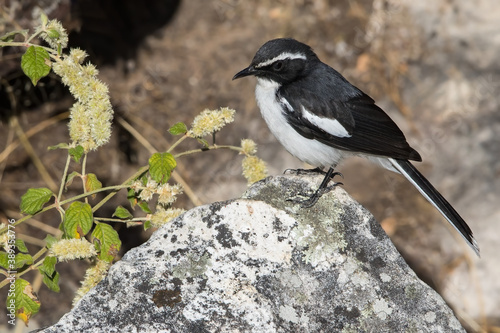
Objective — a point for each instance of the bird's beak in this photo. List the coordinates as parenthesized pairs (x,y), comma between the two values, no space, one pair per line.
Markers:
(250,70)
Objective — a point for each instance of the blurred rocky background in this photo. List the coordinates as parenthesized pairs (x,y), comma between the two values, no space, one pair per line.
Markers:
(432,65)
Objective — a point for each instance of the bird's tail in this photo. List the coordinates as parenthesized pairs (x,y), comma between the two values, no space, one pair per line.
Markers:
(436,199)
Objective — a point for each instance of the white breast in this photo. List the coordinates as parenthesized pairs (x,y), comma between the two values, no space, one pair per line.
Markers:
(310,151)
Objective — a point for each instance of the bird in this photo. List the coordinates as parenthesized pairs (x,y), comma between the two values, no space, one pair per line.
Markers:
(322,119)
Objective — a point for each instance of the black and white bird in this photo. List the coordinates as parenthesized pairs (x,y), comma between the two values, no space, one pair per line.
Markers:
(321,118)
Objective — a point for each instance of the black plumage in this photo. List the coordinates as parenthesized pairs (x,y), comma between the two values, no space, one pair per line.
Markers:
(321,118)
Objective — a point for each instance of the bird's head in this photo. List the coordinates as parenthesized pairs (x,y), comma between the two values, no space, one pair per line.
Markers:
(281,60)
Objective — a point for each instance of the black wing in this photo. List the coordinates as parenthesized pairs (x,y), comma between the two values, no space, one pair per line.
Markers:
(371,130)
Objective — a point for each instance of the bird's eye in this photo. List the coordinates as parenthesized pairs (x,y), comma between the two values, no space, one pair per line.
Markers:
(278,65)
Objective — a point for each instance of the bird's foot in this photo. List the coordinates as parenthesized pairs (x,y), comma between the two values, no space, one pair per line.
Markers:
(300,172)
(308,203)
(323,188)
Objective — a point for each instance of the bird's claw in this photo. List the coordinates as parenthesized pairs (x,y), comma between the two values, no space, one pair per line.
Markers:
(337,174)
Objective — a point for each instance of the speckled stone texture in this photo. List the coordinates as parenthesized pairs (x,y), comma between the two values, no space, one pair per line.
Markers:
(264,264)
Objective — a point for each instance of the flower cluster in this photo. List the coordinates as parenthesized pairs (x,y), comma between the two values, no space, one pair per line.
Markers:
(254,169)
(93,276)
(210,121)
(163,216)
(54,34)
(91,115)
(249,147)
(167,194)
(68,249)
(147,191)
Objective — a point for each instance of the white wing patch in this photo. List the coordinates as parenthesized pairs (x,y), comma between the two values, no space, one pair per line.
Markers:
(331,126)
(282,56)
(287,105)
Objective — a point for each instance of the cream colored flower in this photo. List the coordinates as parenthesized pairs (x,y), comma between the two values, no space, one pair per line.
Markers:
(68,249)
(54,34)
(93,276)
(210,121)
(91,116)
(148,192)
(249,147)
(168,193)
(163,216)
(254,169)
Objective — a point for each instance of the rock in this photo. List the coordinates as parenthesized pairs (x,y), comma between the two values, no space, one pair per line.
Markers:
(264,264)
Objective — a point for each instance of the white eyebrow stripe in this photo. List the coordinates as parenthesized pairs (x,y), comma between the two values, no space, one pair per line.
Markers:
(331,126)
(282,56)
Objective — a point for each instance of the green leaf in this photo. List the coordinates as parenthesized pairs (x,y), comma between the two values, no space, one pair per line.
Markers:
(21,246)
(147,225)
(161,166)
(69,180)
(22,260)
(144,180)
(52,282)
(78,219)
(44,19)
(17,261)
(10,36)
(23,299)
(92,183)
(122,213)
(35,63)
(4,260)
(179,128)
(106,241)
(53,33)
(131,197)
(48,266)
(76,153)
(62,145)
(143,205)
(50,275)
(50,240)
(34,199)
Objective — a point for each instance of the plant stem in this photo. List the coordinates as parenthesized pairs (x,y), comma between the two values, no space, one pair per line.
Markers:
(54,205)
(30,268)
(26,44)
(213,147)
(176,143)
(39,253)
(107,219)
(63,180)
(116,188)
(33,36)
(125,184)
(84,176)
